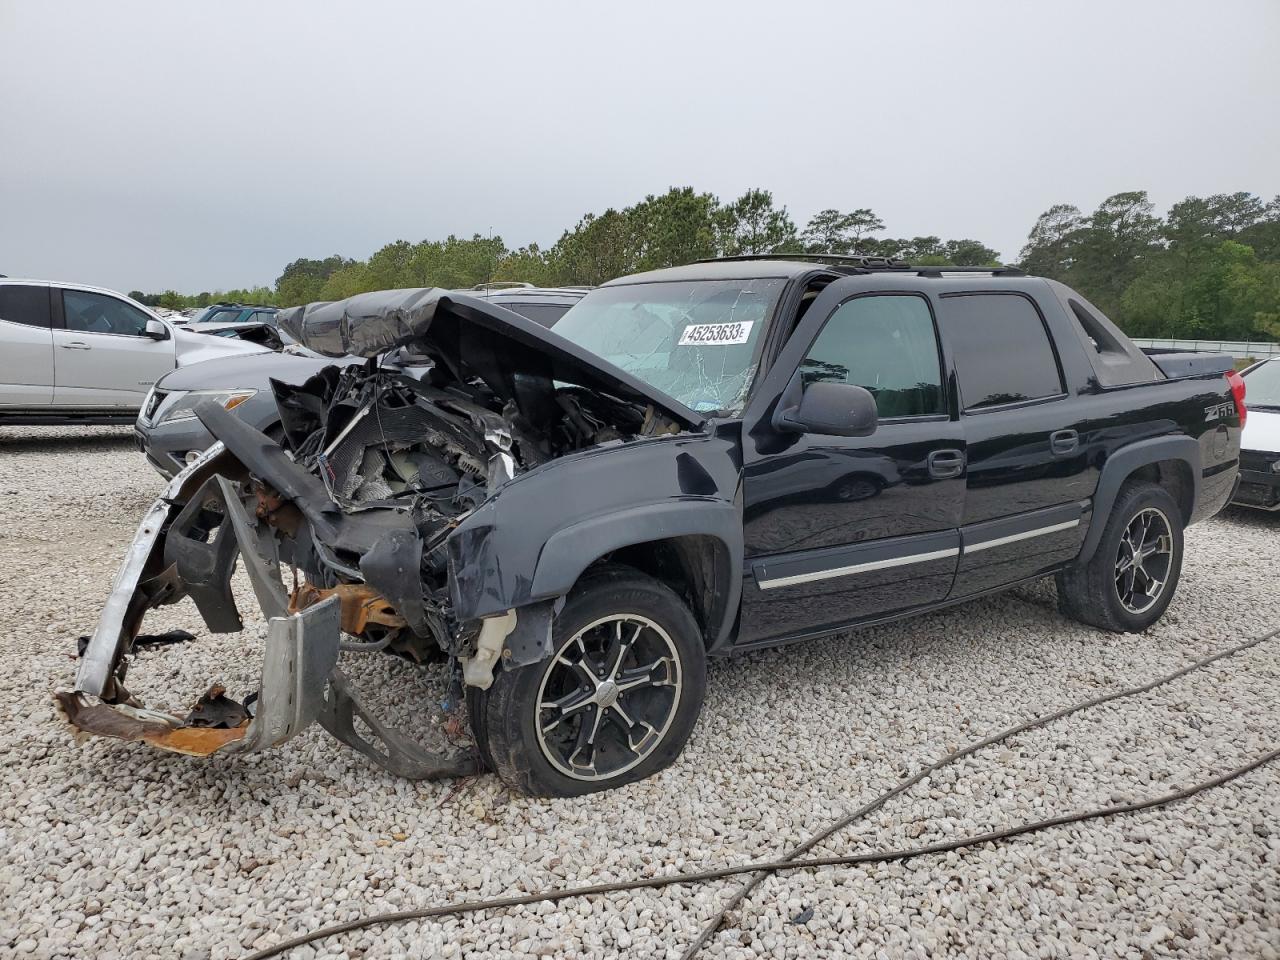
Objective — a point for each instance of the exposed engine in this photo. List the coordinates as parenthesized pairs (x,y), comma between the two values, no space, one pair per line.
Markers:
(434,447)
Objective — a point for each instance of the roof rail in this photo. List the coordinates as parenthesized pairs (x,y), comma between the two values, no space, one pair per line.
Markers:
(841,259)
(502,285)
(869,263)
(997,271)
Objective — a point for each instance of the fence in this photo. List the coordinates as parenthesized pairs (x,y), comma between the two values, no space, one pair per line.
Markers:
(1240,349)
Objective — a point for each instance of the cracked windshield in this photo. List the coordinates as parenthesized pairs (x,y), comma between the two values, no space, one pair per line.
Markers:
(695,341)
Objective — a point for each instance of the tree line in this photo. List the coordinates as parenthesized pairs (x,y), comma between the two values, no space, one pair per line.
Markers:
(1209,268)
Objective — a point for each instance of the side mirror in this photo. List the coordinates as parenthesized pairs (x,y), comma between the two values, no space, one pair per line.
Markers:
(831,409)
(156,330)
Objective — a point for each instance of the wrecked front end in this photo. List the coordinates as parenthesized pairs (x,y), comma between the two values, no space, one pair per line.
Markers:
(353,532)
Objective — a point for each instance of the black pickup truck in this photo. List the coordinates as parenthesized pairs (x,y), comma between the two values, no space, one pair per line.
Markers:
(696,461)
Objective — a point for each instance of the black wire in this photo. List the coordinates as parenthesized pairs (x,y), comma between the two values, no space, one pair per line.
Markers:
(767,867)
(760,870)
(710,929)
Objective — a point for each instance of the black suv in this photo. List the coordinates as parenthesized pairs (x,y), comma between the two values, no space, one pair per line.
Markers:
(696,461)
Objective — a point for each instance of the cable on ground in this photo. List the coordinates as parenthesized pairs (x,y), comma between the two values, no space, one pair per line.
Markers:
(760,870)
(710,929)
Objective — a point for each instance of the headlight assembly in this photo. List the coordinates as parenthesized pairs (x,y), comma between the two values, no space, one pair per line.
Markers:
(183,406)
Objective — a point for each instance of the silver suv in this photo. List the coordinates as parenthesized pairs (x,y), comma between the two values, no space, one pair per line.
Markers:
(70,353)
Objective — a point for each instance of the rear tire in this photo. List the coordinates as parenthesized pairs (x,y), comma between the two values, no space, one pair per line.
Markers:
(1130,580)
(615,702)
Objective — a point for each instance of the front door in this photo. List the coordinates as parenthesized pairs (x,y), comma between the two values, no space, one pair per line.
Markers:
(102,356)
(841,529)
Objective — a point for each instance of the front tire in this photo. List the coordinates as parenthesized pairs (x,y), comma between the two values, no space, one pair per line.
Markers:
(614,703)
(1129,582)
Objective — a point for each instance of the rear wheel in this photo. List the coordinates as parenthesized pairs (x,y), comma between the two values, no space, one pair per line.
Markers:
(615,702)
(1129,582)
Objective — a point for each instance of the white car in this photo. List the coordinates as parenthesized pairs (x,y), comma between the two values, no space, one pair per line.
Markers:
(1260,441)
(70,353)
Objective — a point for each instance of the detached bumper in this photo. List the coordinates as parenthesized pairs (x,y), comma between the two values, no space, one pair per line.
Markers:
(301,648)
(300,682)
(301,652)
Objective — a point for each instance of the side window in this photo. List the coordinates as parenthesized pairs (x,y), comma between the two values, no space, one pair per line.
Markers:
(26,305)
(98,313)
(1001,349)
(886,344)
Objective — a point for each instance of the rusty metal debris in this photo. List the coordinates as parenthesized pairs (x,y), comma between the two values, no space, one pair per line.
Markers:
(361,606)
(216,709)
(153,727)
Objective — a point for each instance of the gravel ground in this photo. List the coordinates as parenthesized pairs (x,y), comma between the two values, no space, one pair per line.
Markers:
(113,850)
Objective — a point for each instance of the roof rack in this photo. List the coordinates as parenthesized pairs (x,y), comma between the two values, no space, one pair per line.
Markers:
(996,271)
(869,264)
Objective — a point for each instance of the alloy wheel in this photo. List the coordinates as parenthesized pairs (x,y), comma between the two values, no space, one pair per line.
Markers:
(608,697)
(1144,560)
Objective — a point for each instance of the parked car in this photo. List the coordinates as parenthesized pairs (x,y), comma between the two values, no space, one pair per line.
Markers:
(579,517)
(542,305)
(1260,443)
(71,353)
(171,436)
(224,313)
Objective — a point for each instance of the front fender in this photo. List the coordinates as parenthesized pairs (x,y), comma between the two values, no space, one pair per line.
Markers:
(532,540)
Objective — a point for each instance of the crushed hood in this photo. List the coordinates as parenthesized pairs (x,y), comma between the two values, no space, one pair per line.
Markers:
(470,338)
(193,348)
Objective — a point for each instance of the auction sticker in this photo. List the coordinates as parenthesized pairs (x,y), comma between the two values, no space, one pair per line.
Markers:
(716,334)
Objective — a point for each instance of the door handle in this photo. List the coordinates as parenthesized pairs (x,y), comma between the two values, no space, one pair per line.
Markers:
(945,464)
(75,345)
(1063,443)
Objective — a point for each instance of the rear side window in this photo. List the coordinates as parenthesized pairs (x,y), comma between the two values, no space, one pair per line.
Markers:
(1116,361)
(886,344)
(1001,349)
(26,305)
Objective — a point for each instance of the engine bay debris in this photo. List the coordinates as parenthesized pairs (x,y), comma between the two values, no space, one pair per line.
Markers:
(357,508)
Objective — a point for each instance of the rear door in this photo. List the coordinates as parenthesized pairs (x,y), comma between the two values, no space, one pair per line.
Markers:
(26,346)
(1028,477)
(846,529)
(102,355)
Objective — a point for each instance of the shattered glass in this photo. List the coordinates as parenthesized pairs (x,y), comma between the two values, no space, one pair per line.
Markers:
(696,341)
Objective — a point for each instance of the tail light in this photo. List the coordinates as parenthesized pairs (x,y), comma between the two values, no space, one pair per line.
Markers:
(1237,393)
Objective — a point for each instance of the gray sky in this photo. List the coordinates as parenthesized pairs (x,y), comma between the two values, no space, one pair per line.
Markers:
(204,146)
